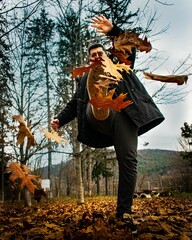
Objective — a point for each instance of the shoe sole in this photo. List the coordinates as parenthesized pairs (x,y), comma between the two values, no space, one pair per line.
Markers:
(93,77)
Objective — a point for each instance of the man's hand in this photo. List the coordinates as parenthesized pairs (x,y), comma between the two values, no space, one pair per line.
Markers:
(102,24)
(55,124)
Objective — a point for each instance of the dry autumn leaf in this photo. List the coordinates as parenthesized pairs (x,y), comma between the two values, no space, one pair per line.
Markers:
(106,81)
(24,131)
(122,57)
(98,84)
(113,69)
(179,79)
(64,219)
(128,40)
(79,71)
(53,135)
(21,178)
(108,102)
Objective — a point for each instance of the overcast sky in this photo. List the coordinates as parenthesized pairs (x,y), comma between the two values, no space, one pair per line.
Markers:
(176,43)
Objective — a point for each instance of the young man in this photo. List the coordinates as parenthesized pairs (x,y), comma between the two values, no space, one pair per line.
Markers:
(118,129)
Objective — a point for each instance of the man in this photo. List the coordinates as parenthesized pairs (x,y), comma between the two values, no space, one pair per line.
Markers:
(120,129)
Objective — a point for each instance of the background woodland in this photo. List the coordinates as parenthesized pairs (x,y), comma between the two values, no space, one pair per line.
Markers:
(40,43)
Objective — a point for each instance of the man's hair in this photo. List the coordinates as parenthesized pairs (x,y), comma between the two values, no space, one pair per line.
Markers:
(95,45)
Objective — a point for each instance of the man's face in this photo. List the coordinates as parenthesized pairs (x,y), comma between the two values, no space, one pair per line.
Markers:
(96,54)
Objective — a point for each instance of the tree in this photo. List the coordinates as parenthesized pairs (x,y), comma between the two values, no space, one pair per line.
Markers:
(72,52)
(41,33)
(6,77)
(186,142)
(101,169)
(116,10)
(27,90)
(185,160)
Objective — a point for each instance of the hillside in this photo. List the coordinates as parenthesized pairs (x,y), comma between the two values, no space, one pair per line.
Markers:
(149,161)
(155,160)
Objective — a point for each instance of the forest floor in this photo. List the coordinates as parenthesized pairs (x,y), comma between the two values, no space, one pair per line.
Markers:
(163,218)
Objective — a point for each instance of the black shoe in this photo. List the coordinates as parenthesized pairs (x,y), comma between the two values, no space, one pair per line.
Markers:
(128,220)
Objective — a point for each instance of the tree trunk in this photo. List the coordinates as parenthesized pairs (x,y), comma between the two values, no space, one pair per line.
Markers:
(98,187)
(106,186)
(89,174)
(68,186)
(2,176)
(80,187)
(27,197)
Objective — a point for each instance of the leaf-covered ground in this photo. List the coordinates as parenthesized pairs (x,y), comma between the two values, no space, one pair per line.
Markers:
(167,218)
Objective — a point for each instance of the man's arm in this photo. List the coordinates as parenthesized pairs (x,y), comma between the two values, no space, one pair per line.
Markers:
(66,115)
(103,25)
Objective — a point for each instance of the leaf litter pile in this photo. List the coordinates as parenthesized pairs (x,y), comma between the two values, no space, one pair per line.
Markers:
(167,218)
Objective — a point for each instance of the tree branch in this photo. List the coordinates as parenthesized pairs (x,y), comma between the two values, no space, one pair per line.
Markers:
(30,14)
(17,6)
(164,3)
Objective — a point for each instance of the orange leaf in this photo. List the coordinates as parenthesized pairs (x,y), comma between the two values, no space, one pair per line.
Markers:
(108,102)
(28,182)
(113,69)
(128,40)
(79,71)
(53,135)
(22,174)
(24,131)
(122,57)
(106,81)
(15,168)
(179,79)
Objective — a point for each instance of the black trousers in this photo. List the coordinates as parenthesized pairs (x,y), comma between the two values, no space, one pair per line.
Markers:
(125,135)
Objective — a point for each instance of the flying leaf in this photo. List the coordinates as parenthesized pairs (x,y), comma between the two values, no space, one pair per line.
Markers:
(21,178)
(113,69)
(106,81)
(53,135)
(24,131)
(108,102)
(179,79)
(128,40)
(122,57)
(79,71)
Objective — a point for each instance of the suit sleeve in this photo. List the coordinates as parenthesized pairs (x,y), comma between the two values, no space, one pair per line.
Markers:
(69,112)
(115,33)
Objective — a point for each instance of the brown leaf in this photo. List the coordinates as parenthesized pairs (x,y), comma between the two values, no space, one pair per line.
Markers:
(24,131)
(53,226)
(108,102)
(65,219)
(15,168)
(21,174)
(53,135)
(25,169)
(179,79)
(79,71)
(27,181)
(167,228)
(106,81)
(122,57)
(113,69)
(128,40)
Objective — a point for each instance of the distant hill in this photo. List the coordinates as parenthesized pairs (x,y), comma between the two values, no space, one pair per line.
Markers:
(155,160)
(150,161)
